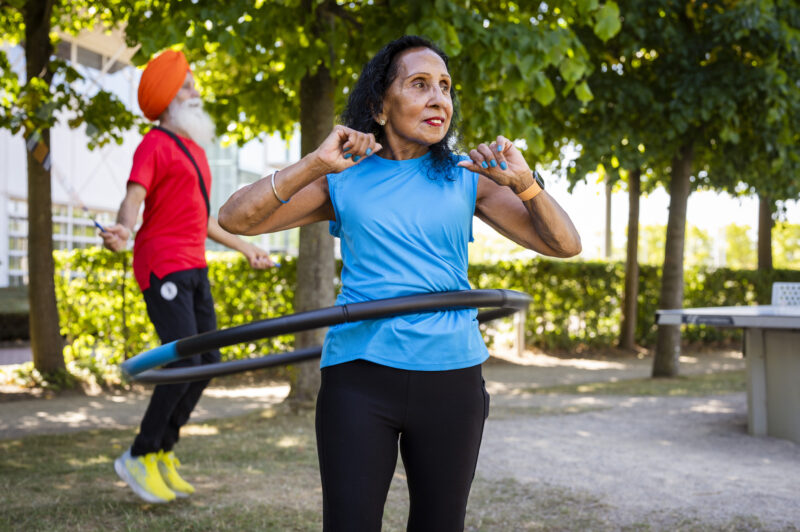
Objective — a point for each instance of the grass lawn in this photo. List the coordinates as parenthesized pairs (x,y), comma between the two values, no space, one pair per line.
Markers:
(682,386)
(255,472)
(259,472)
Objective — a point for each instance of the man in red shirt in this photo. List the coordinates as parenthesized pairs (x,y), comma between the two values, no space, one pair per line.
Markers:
(170,174)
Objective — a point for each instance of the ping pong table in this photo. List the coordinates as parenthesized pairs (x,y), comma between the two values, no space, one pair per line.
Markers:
(772,357)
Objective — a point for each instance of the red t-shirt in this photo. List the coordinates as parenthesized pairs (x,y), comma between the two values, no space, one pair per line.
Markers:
(175,224)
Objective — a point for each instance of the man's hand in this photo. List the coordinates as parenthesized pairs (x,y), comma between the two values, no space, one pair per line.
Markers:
(115,237)
(257,257)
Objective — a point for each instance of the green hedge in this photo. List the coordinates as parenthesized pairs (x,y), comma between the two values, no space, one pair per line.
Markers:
(580,303)
(100,322)
(575,303)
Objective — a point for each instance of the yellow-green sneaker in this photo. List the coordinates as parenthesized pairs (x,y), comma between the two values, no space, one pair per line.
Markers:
(142,475)
(168,464)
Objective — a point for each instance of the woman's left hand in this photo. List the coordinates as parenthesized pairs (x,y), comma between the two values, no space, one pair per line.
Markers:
(501,162)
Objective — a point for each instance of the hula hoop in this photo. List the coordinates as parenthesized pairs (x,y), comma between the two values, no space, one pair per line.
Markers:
(140,367)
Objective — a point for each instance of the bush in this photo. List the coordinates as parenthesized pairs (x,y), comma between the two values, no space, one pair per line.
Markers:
(574,303)
(103,325)
(580,303)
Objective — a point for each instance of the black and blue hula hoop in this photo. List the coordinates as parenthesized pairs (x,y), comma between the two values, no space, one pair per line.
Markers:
(140,368)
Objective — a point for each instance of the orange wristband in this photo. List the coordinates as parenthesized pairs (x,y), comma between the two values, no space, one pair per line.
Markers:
(530,192)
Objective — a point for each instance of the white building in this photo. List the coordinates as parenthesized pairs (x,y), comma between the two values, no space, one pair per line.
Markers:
(96,179)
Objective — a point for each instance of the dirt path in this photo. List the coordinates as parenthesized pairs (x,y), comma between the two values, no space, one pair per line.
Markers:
(660,463)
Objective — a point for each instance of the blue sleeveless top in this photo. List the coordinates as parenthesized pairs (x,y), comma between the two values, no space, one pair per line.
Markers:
(404,231)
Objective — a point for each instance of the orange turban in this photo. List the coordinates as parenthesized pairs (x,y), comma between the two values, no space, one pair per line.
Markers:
(161,80)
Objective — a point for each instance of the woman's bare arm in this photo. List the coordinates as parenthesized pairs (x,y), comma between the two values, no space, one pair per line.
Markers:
(256,209)
(538,223)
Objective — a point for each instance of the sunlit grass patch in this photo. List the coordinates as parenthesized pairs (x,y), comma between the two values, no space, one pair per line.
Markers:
(499,412)
(199,430)
(686,386)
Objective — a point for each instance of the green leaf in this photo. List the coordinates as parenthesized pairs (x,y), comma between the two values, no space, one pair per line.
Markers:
(528,66)
(729,135)
(536,142)
(584,93)
(607,21)
(571,69)
(543,92)
(586,6)
(453,44)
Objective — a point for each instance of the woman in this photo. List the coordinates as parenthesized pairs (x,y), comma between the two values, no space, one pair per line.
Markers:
(402,204)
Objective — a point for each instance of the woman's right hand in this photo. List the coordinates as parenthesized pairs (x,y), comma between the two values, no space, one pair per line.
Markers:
(345,147)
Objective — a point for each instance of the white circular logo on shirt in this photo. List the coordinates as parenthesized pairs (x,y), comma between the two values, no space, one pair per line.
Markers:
(169,290)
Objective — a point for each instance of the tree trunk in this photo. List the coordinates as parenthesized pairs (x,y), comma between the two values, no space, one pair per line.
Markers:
(627,338)
(668,342)
(315,263)
(608,221)
(765,224)
(46,342)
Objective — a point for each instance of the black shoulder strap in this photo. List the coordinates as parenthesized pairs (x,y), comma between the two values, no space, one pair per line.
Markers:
(185,150)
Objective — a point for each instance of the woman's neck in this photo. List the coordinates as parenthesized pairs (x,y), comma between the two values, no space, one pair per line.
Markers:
(402,151)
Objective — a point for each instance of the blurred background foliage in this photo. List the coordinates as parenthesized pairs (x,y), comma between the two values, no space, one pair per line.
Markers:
(576,304)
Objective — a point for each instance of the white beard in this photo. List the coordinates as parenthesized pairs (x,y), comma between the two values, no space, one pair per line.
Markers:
(190,118)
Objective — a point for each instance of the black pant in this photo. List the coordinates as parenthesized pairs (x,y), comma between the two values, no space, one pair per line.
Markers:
(438,416)
(179,305)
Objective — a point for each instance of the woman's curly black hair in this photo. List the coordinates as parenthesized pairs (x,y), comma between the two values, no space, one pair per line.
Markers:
(366,100)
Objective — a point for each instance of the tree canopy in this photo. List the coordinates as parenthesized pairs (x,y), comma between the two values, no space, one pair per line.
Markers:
(36,104)
(250,62)
(695,95)
(722,75)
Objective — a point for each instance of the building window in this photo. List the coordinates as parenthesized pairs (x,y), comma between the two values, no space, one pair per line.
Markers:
(18,262)
(72,229)
(59,228)
(18,208)
(18,225)
(16,243)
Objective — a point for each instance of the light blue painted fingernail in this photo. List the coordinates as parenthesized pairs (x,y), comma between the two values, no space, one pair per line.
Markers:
(369,151)
(356,158)
(347,155)
(483,163)
(347,148)
(493,163)
(499,147)
(503,165)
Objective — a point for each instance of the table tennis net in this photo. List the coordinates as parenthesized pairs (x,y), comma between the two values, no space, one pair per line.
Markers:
(786,294)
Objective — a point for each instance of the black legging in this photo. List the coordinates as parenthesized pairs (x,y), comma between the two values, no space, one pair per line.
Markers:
(363,408)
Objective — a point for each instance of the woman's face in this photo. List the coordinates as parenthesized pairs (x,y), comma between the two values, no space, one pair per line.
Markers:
(417,106)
